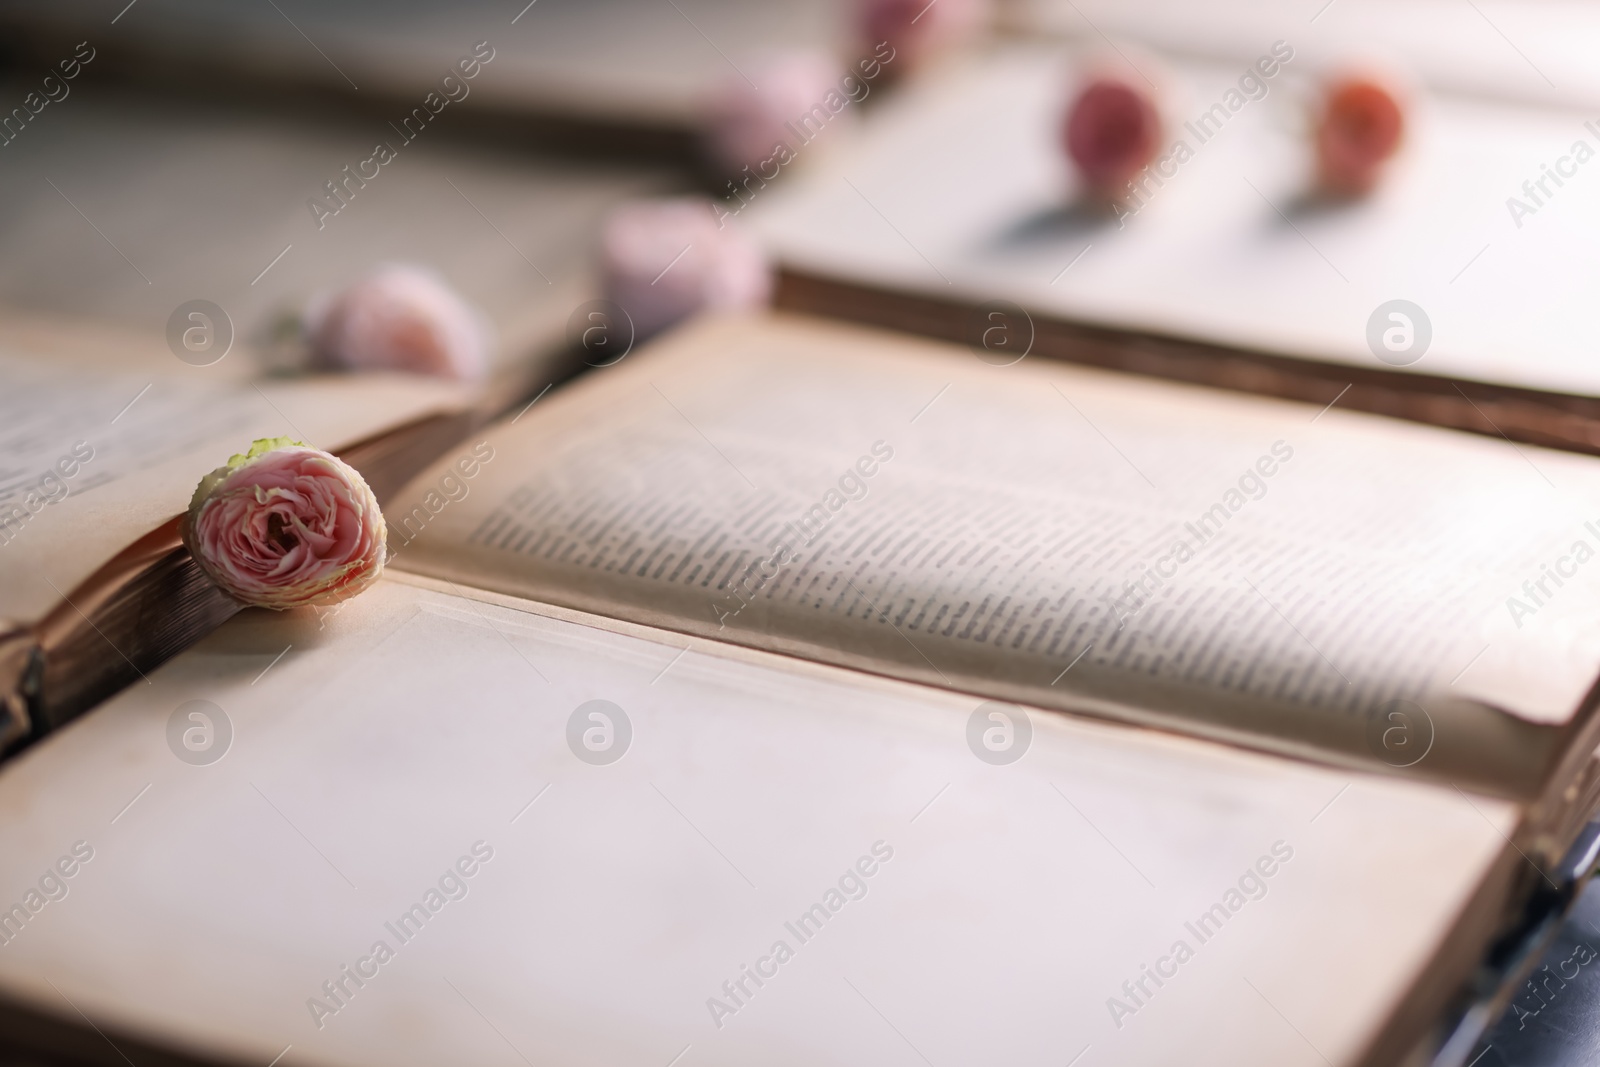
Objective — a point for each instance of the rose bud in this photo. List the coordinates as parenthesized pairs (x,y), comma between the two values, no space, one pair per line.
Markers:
(749,128)
(664,260)
(905,34)
(1358,131)
(1112,131)
(286,526)
(398,318)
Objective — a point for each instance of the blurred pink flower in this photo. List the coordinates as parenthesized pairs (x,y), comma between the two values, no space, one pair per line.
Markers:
(398,318)
(917,29)
(667,259)
(1361,127)
(745,125)
(286,526)
(1112,131)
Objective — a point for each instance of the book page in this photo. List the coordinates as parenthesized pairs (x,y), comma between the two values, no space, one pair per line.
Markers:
(94,458)
(1065,537)
(580,890)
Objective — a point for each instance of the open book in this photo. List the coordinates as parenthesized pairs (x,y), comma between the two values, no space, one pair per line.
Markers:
(1246,569)
(1223,268)
(774,599)
(101,454)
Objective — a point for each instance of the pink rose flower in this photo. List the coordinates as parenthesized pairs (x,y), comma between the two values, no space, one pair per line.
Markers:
(1360,129)
(915,30)
(398,318)
(1112,132)
(746,127)
(665,260)
(286,526)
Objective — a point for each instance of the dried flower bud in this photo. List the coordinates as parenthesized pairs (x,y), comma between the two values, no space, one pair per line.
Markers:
(285,525)
(665,260)
(745,125)
(916,30)
(398,318)
(1358,132)
(1111,133)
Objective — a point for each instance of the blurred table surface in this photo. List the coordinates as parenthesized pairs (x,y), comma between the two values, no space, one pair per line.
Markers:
(635,62)
(1559,1025)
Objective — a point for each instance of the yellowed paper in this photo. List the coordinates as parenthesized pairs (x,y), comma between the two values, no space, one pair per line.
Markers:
(1054,535)
(620,901)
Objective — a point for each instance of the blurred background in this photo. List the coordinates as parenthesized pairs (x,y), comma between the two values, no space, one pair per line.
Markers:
(185,157)
(179,163)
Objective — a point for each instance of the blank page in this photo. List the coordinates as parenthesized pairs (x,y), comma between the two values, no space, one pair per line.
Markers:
(1003,904)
